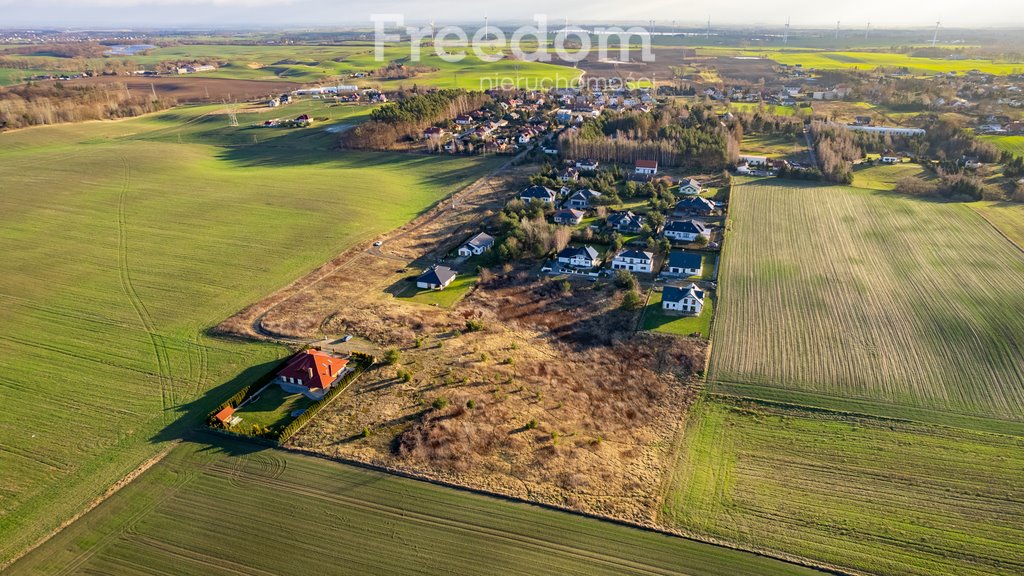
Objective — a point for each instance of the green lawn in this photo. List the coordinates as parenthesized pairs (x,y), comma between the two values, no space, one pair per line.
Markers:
(273,408)
(234,508)
(879,496)
(886,176)
(773,145)
(446,298)
(657,320)
(122,243)
(1011,144)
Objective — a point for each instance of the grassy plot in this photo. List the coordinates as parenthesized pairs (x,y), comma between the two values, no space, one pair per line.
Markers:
(460,286)
(273,407)
(660,321)
(847,295)
(885,176)
(203,511)
(122,242)
(1007,217)
(879,496)
(1012,144)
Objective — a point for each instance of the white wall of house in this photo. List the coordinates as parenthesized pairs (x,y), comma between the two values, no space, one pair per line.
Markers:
(684,271)
(681,236)
(632,264)
(689,189)
(641,170)
(689,305)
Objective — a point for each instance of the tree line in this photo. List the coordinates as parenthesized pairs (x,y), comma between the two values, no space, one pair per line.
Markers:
(409,115)
(57,103)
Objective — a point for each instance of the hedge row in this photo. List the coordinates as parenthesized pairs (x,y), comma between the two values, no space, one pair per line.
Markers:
(362,361)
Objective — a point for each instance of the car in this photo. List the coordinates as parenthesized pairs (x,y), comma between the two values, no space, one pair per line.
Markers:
(346,337)
(378,243)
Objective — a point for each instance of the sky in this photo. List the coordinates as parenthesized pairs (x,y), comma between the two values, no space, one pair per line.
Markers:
(325,13)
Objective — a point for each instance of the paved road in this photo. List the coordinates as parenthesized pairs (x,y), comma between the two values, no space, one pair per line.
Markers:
(810,148)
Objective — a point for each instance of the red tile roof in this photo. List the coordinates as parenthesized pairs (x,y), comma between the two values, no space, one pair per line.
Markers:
(225,414)
(646,163)
(315,369)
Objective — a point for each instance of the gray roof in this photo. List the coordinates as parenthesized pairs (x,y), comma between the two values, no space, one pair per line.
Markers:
(481,240)
(688,181)
(539,192)
(636,254)
(573,251)
(673,294)
(679,259)
(686,226)
(695,203)
(569,213)
(437,275)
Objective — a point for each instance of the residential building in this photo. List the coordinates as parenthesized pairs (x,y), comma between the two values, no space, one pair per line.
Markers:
(647,167)
(690,187)
(587,165)
(583,199)
(436,278)
(477,245)
(568,217)
(311,370)
(634,261)
(685,230)
(688,299)
(684,264)
(626,222)
(579,257)
(538,194)
(695,205)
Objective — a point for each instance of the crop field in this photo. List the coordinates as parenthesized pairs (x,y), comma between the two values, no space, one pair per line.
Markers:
(868,301)
(1007,217)
(885,176)
(123,242)
(1012,144)
(879,496)
(231,510)
(837,60)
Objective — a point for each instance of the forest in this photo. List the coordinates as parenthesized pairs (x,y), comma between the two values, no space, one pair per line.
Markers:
(37,104)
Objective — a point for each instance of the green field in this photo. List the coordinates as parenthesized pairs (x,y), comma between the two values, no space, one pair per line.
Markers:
(837,60)
(658,321)
(885,176)
(242,510)
(879,496)
(868,301)
(1012,144)
(446,298)
(773,146)
(123,242)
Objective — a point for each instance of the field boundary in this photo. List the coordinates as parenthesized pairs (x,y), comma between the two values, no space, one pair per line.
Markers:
(997,229)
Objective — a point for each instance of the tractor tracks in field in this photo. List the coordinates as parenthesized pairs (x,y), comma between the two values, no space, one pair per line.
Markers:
(164,377)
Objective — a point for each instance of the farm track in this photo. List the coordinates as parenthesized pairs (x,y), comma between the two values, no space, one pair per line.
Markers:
(166,381)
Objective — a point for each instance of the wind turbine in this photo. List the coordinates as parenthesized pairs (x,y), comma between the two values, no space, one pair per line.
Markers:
(837,30)
(708,36)
(935,38)
(785,35)
(866,30)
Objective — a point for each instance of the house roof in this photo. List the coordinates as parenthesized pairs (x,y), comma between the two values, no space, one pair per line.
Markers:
(225,414)
(586,195)
(679,259)
(647,164)
(625,219)
(569,213)
(316,369)
(481,240)
(648,256)
(674,294)
(540,192)
(687,226)
(689,182)
(573,251)
(695,203)
(439,275)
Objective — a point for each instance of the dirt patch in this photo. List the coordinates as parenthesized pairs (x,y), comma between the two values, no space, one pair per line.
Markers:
(194,89)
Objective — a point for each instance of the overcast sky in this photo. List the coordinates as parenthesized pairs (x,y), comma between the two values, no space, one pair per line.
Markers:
(321,13)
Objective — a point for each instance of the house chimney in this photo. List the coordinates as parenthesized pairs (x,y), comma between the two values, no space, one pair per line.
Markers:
(311,373)
(330,370)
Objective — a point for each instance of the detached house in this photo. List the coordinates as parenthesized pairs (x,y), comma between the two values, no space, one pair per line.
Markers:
(569,175)
(583,199)
(568,217)
(436,278)
(538,194)
(690,187)
(688,299)
(311,372)
(634,261)
(685,230)
(477,245)
(646,167)
(695,205)
(684,264)
(587,165)
(579,257)
(626,222)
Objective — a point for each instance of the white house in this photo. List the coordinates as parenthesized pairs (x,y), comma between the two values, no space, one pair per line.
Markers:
(436,278)
(538,194)
(891,158)
(587,165)
(568,217)
(754,160)
(688,299)
(690,186)
(684,264)
(887,130)
(634,261)
(477,245)
(579,257)
(685,230)
(646,167)
(583,199)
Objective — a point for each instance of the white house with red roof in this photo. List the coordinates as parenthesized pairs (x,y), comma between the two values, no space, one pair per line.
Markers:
(312,372)
(647,167)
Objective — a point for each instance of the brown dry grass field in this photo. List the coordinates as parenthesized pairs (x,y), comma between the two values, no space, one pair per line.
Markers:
(194,89)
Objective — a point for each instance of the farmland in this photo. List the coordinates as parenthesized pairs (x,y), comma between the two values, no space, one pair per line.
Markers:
(233,510)
(885,176)
(867,301)
(1005,216)
(866,60)
(124,242)
(881,496)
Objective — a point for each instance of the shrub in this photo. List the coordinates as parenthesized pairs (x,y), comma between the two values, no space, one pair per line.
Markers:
(405,375)
(532,424)
(625,280)
(474,325)
(439,403)
(365,433)
(508,361)
(632,300)
(470,404)
(392,356)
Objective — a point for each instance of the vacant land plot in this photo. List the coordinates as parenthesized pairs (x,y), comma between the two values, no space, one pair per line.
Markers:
(870,301)
(775,146)
(123,242)
(205,511)
(1012,144)
(885,176)
(195,88)
(875,495)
